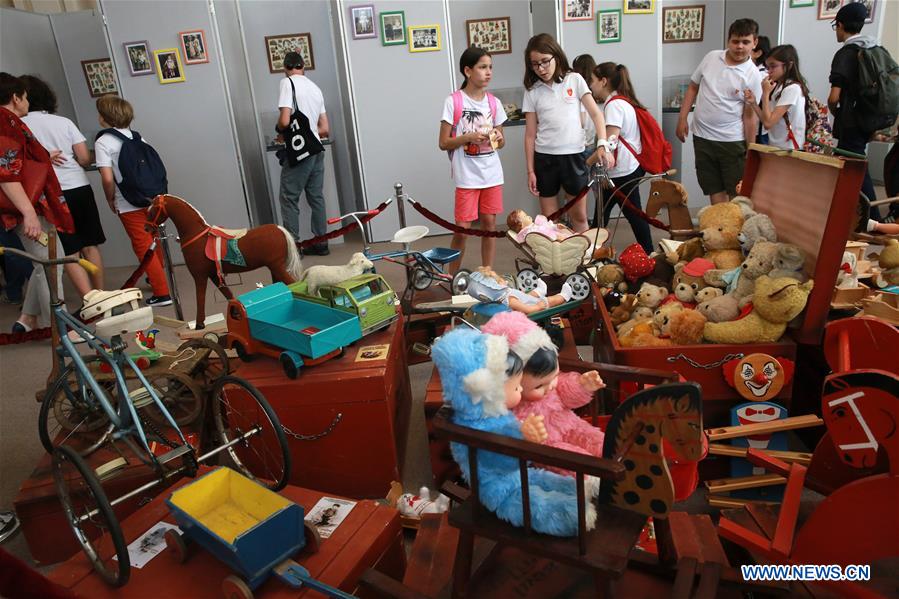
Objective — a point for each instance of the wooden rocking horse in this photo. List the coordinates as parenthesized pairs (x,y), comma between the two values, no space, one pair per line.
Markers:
(673,196)
(210,252)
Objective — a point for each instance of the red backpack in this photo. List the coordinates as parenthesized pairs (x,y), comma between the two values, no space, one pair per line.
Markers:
(656,155)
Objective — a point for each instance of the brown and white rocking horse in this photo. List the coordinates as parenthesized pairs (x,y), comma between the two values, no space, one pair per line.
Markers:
(210,252)
(673,196)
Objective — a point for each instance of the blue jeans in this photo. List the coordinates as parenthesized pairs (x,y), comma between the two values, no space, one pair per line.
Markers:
(16,269)
(856,141)
(308,176)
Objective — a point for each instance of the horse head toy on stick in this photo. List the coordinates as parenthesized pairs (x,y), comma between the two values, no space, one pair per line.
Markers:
(210,252)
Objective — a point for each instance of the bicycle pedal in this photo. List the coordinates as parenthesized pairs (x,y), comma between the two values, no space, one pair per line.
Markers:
(174,454)
(140,397)
(110,468)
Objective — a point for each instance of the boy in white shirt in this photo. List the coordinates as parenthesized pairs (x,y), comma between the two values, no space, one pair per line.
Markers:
(722,121)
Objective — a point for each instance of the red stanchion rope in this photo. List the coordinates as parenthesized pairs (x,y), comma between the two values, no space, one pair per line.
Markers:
(625,202)
(342,230)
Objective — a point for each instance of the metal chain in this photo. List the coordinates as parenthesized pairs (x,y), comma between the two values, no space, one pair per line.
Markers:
(324,433)
(708,366)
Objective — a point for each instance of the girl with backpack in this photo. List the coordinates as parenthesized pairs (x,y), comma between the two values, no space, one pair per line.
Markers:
(471,132)
(612,86)
(554,137)
(784,100)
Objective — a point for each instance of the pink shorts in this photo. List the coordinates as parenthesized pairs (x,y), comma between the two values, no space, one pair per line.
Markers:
(470,202)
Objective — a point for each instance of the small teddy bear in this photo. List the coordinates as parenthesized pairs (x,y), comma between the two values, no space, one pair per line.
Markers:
(686,327)
(722,308)
(651,295)
(661,318)
(691,248)
(610,277)
(622,312)
(789,262)
(688,280)
(707,293)
(756,228)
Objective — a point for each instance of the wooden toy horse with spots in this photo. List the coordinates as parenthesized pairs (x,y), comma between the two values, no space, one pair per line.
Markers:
(636,431)
(673,196)
(210,252)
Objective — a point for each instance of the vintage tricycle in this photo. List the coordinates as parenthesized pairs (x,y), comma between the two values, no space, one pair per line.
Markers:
(297,332)
(244,525)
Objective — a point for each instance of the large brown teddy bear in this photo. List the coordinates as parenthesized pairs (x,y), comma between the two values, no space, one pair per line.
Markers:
(719,226)
(775,303)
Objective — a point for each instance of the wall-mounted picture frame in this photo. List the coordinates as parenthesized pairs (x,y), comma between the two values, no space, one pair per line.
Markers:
(801,3)
(578,10)
(424,38)
(276,46)
(683,24)
(100,77)
(362,21)
(169,67)
(140,61)
(827,9)
(869,4)
(639,7)
(493,35)
(608,26)
(393,27)
(193,44)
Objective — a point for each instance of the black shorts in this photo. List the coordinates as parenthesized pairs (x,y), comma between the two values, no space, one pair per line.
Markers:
(88,230)
(568,171)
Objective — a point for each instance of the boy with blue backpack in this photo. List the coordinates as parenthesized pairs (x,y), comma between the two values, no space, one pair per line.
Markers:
(132,175)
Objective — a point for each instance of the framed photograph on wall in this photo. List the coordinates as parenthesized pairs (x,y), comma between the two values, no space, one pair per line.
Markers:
(869,4)
(168,65)
(801,3)
(608,26)
(827,9)
(139,60)
(362,21)
(578,10)
(393,27)
(639,7)
(493,35)
(100,77)
(424,38)
(276,46)
(193,43)
(683,24)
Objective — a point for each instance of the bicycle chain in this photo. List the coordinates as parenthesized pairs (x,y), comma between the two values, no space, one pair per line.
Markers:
(708,366)
(316,436)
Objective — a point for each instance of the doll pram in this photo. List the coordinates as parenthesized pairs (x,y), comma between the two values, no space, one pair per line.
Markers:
(559,261)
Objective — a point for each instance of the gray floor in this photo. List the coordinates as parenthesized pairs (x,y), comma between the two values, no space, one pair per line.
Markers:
(24,368)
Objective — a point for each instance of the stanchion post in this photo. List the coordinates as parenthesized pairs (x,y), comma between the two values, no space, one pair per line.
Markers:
(170,272)
(401,206)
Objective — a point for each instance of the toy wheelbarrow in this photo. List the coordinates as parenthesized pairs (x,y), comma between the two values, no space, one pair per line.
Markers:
(249,528)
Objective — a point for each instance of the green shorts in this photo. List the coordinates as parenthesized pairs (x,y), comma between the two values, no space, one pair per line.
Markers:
(719,164)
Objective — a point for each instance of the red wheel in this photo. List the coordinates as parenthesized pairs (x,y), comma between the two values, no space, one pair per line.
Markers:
(235,588)
(177,547)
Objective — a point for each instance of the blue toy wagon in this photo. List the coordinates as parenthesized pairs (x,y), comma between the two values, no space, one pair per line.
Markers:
(250,529)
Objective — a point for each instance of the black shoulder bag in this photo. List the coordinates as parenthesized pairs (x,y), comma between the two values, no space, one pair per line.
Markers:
(300,143)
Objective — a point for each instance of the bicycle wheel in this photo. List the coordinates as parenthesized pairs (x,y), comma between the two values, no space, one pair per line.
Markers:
(181,396)
(98,533)
(71,417)
(215,365)
(238,408)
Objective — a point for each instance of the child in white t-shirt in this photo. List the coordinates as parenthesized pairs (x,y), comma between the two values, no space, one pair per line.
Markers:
(554,136)
(784,99)
(722,122)
(471,131)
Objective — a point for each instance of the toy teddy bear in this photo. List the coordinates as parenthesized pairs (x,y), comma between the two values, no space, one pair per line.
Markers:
(622,312)
(756,228)
(722,308)
(847,276)
(776,301)
(691,248)
(689,279)
(789,262)
(610,277)
(662,316)
(719,226)
(888,260)
(707,293)
(651,295)
(760,261)
(473,373)
(686,327)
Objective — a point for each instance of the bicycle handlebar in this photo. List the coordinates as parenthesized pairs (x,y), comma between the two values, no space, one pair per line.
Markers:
(87,265)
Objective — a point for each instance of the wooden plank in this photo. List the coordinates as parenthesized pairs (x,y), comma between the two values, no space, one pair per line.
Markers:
(789,511)
(724,485)
(793,457)
(784,424)
(724,502)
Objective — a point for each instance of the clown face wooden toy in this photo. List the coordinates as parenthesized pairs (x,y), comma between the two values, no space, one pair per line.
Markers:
(758,377)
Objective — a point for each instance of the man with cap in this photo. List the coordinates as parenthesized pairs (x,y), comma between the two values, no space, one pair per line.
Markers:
(306,175)
(847,127)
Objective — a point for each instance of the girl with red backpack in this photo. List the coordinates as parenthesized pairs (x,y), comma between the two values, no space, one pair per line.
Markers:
(611,84)
(471,133)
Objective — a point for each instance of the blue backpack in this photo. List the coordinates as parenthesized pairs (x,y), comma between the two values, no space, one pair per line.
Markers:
(143,174)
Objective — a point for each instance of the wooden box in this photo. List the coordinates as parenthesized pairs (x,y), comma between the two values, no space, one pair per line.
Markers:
(356,410)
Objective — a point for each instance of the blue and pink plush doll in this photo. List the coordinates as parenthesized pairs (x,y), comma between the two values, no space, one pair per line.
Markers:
(472,368)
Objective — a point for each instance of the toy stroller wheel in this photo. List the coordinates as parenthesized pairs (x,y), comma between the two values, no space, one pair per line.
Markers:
(70,417)
(181,395)
(460,281)
(98,533)
(176,545)
(421,279)
(313,538)
(234,588)
(237,409)
(242,352)
(526,280)
(580,286)
(215,365)
(290,368)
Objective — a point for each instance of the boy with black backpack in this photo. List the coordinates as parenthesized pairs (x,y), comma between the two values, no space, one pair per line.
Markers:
(864,82)
(132,175)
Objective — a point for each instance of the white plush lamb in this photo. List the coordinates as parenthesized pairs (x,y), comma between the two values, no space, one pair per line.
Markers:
(413,506)
(320,275)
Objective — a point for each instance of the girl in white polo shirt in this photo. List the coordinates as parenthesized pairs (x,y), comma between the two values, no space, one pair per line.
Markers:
(784,100)
(554,136)
(611,84)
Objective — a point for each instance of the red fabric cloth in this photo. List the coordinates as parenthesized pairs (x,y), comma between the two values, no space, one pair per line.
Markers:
(17,144)
(134,222)
(636,263)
